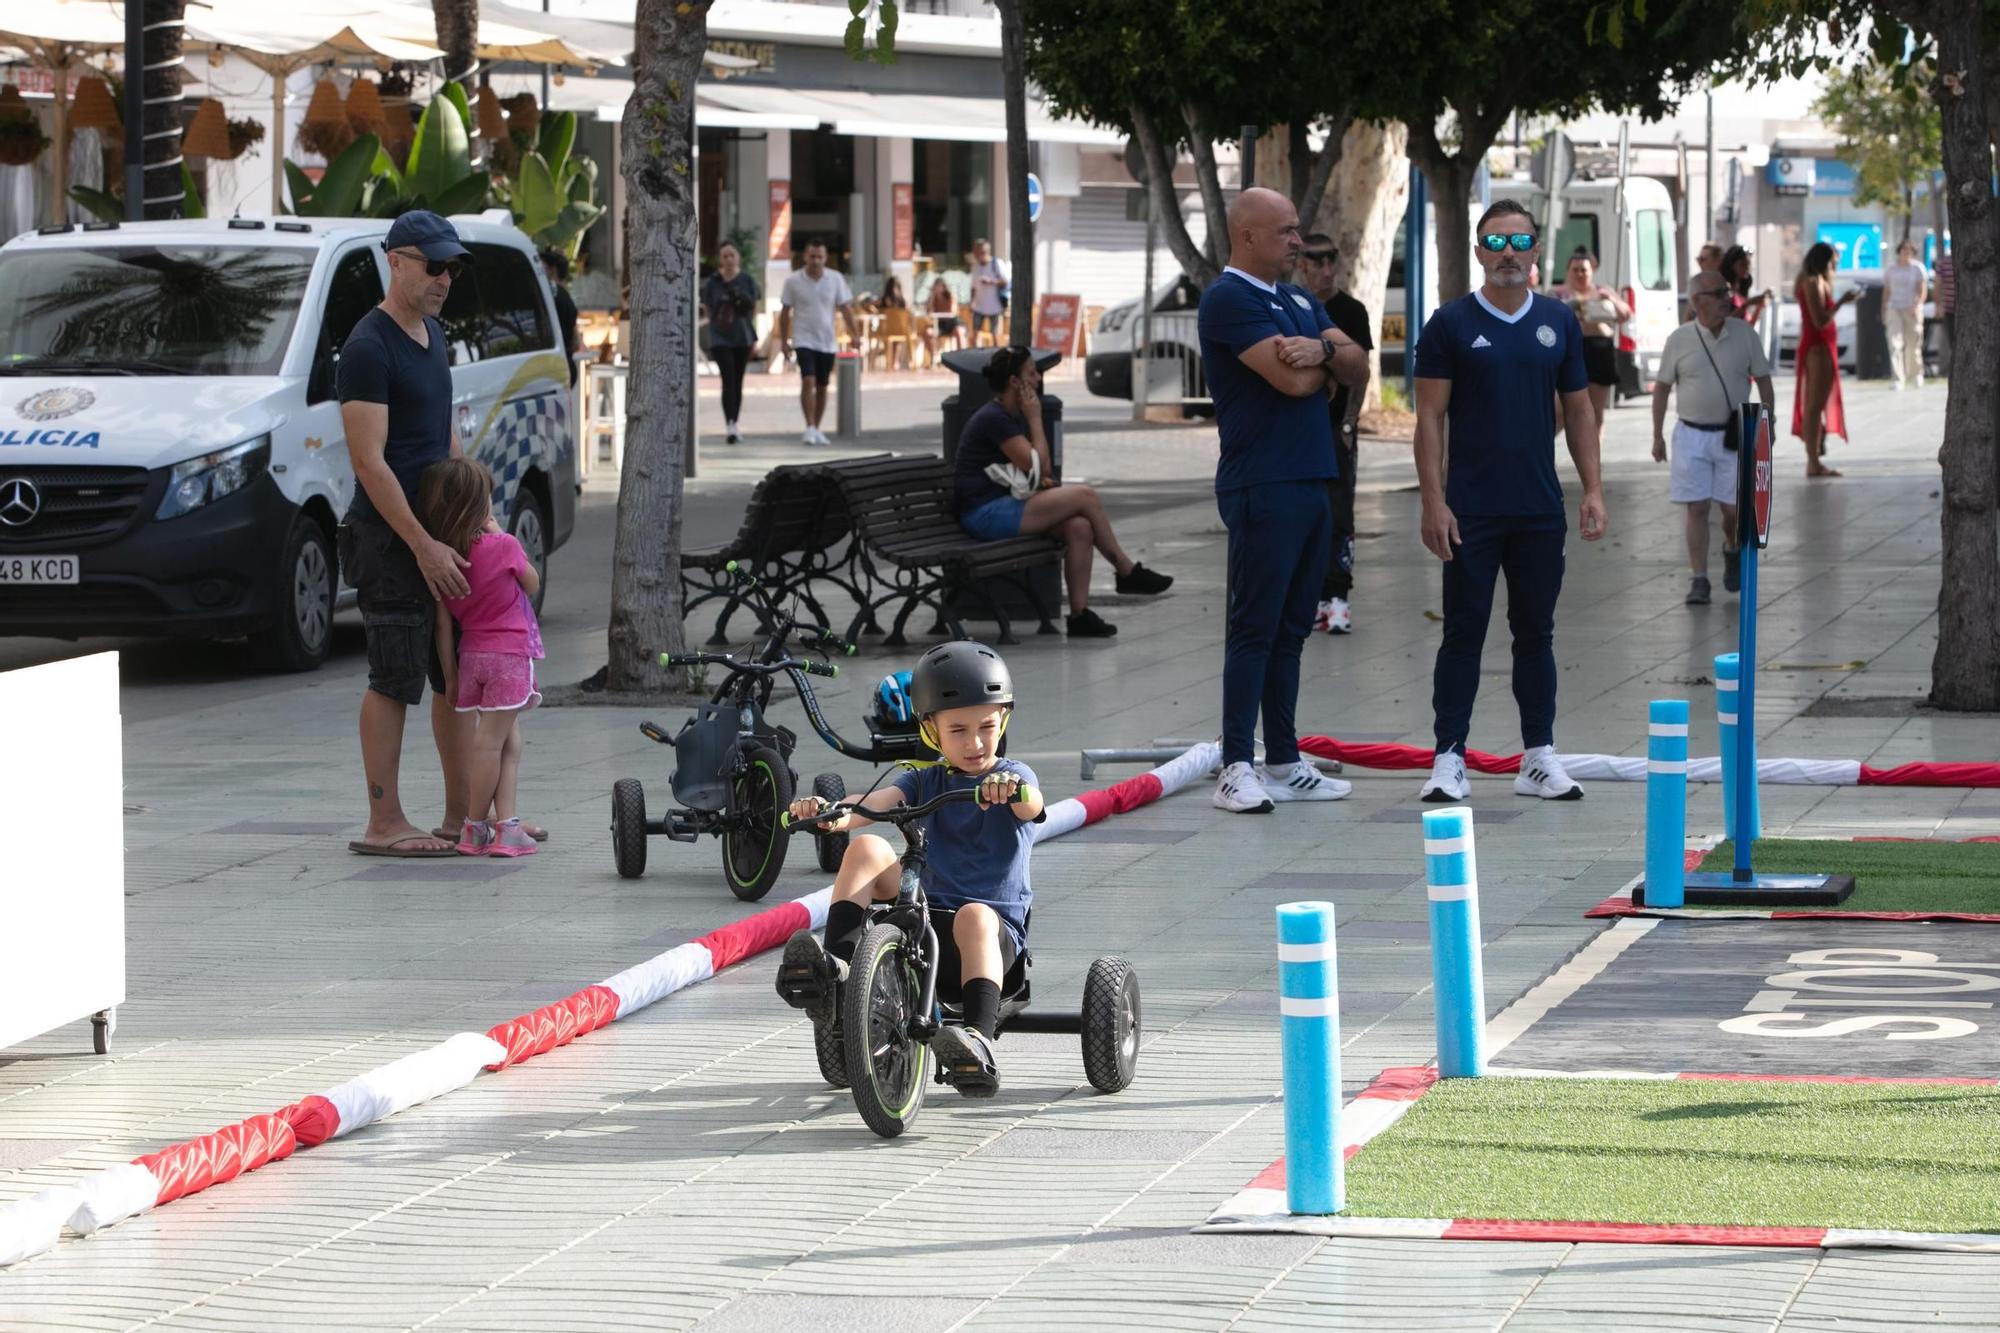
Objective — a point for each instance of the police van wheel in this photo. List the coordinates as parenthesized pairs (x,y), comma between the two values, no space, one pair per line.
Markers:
(298,637)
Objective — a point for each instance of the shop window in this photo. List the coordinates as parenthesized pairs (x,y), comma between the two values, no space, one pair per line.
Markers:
(952,184)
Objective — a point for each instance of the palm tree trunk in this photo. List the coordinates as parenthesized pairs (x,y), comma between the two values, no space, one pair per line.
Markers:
(458,38)
(160,56)
(1020,231)
(657,141)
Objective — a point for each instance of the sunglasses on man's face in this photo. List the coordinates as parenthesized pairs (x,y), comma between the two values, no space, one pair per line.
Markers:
(1320,256)
(436,268)
(1497,241)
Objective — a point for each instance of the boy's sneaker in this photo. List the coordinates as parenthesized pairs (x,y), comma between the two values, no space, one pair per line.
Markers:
(1143,582)
(1301,782)
(1339,619)
(1239,792)
(809,977)
(1542,775)
(966,1061)
(1087,624)
(1447,781)
(1698,591)
(1732,571)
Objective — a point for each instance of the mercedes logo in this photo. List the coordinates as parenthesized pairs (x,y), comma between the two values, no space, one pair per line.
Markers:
(19,502)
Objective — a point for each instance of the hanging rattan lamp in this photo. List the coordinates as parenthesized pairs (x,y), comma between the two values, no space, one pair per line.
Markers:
(13,106)
(324,108)
(492,121)
(364,109)
(208,133)
(93,108)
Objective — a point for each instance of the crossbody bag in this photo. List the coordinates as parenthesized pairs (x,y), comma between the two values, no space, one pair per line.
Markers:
(1732,429)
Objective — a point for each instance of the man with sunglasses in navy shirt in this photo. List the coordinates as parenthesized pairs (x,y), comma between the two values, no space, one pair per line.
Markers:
(1491,365)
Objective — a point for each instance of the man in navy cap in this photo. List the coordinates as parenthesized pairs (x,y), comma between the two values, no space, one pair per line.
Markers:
(394,383)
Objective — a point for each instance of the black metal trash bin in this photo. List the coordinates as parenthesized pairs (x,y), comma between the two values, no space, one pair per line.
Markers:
(1871,336)
(973,393)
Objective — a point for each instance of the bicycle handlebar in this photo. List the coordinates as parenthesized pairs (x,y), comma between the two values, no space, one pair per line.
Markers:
(898,815)
(814,636)
(730,663)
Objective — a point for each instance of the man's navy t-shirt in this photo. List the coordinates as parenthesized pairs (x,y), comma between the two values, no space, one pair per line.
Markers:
(976,856)
(978,449)
(1505,375)
(1266,435)
(379,363)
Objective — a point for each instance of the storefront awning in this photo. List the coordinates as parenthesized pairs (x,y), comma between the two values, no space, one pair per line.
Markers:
(890,115)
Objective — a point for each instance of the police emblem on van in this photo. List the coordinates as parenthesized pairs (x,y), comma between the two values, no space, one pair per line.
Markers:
(55,404)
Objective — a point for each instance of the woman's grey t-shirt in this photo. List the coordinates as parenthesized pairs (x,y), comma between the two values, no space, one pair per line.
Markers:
(738,296)
(379,363)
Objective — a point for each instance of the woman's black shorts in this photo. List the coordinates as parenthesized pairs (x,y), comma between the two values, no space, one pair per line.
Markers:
(1600,359)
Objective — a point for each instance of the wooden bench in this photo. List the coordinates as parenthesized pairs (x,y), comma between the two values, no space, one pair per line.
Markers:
(910,551)
(796,532)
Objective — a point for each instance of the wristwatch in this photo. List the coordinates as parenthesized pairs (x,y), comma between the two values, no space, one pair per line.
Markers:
(1332,348)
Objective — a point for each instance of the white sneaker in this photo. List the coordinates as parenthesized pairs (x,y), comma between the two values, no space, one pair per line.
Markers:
(1323,618)
(811,437)
(731,434)
(1239,792)
(1920,381)
(1340,620)
(1897,386)
(1301,782)
(1542,775)
(1447,779)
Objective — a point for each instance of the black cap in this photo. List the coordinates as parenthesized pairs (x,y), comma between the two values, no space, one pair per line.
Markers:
(426,233)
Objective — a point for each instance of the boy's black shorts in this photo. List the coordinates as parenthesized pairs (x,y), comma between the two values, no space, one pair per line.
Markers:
(951,968)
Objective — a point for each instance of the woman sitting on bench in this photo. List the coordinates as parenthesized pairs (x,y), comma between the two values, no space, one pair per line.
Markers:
(1007,433)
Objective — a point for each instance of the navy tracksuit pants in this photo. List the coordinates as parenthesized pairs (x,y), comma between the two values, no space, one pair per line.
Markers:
(1280,540)
(1529,552)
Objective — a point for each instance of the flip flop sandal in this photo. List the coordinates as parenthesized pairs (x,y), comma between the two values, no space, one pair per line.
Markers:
(394,848)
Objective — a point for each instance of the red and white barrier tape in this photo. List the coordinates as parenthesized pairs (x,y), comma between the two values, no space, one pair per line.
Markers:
(1260,1206)
(30,1226)
(1624,768)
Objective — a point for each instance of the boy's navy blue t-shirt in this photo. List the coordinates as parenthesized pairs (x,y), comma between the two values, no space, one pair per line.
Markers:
(1266,435)
(976,856)
(1505,375)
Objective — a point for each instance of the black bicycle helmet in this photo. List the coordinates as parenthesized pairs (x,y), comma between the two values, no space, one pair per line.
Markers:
(960,674)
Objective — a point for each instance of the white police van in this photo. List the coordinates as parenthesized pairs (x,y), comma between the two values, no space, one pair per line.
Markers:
(171,455)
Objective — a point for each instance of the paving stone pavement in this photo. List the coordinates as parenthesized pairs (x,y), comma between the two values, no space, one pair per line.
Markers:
(685,1168)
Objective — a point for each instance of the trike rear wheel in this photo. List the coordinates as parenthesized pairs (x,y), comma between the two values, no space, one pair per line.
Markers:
(830,1048)
(628,827)
(887,1066)
(753,843)
(830,846)
(1111,1024)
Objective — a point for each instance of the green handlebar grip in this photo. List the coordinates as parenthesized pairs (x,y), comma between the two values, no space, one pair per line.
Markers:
(784,819)
(731,566)
(666,659)
(1023,792)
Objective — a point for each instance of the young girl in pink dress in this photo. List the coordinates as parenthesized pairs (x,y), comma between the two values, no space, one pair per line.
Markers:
(492,672)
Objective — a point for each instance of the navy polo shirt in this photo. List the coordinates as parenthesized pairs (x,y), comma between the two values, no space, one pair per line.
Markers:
(1266,435)
(1505,374)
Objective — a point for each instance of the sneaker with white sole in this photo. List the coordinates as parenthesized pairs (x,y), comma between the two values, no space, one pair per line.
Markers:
(810,438)
(1447,781)
(1300,782)
(1542,775)
(1323,618)
(1340,620)
(1239,792)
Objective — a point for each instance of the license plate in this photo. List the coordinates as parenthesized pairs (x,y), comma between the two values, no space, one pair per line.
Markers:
(39,568)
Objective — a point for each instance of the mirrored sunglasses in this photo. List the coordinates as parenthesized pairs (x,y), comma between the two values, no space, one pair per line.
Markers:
(1496,242)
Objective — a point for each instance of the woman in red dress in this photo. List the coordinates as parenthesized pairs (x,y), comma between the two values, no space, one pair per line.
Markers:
(1816,406)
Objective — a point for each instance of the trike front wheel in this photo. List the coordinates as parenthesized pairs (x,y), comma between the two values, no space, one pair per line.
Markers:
(887,1066)
(628,827)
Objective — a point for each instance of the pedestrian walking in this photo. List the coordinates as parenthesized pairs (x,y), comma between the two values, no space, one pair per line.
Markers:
(1319,264)
(490,669)
(990,289)
(1270,354)
(394,386)
(556,265)
(1706,260)
(1817,410)
(1491,366)
(729,300)
(1600,312)
(1710,365)
(811,297)
(1905,288)
(1736,271)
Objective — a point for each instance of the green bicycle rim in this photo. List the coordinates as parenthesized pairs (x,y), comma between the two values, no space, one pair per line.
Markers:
(769,843)
(908,1108)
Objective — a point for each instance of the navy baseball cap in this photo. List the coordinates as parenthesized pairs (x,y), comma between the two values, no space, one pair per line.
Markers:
(426,233)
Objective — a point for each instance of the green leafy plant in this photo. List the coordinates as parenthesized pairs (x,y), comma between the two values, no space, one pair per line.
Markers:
(551,189)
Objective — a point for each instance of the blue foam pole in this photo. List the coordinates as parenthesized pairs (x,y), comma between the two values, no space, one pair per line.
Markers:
(1457,977)
(1309,1019)
(1727,666)
(1666,802)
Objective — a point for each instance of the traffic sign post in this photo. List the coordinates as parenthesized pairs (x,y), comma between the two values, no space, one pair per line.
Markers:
(1740,885)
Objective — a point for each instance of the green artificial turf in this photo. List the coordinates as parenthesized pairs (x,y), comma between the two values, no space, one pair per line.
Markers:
(1888,876)
(1904,1156)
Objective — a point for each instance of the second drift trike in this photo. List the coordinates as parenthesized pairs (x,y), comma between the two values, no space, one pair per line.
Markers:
(894,1000)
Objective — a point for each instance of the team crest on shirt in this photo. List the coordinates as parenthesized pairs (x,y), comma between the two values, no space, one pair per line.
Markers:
(1301,301)
(1546,336)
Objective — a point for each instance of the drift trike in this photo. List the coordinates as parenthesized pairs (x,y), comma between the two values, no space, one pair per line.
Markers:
(894,1001)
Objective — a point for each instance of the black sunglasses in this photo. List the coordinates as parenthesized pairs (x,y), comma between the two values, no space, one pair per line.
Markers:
(1320,256)
(1520,240)
(436,268)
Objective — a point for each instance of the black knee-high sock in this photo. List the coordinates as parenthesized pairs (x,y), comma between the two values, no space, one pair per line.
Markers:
(982,1005)
(844,921)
